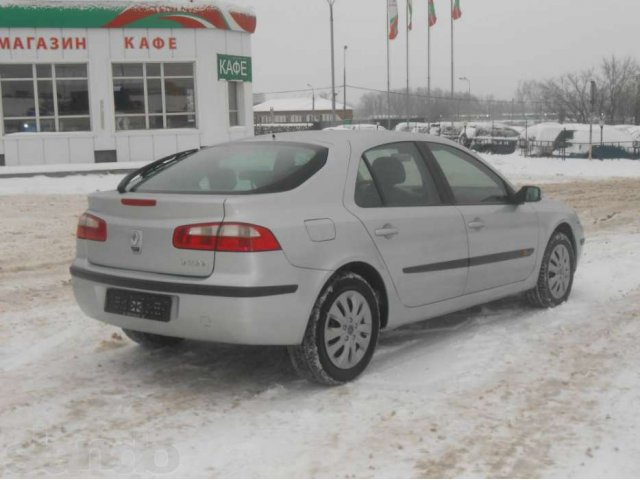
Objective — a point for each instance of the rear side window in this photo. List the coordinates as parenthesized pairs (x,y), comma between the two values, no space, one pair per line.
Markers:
(367,195)
(239,168)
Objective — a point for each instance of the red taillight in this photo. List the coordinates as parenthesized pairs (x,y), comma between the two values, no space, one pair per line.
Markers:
(242,237)
(138,202)
(91,227)
(225,237)
(196,237)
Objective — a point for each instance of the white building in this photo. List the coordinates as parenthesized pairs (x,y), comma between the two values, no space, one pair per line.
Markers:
(121,81)
(299,110)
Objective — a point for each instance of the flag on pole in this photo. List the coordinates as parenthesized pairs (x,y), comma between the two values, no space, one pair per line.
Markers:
(410,14)
(456,12)
(432,14)
(392,6)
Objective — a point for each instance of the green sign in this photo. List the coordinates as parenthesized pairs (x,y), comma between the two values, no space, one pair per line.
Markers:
(234,68)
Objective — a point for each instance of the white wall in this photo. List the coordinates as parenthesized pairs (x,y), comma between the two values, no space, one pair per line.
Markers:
(105,46)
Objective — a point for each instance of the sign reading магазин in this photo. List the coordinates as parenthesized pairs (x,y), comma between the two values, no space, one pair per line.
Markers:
(234,68)
(43,43)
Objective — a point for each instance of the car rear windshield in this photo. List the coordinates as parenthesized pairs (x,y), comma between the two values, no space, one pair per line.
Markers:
(238,168)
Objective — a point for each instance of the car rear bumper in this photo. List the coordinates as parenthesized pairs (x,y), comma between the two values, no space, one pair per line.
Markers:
(241,314)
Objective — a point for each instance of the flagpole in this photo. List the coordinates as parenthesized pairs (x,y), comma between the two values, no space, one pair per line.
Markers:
(408,101)
(388,73)
(452,69)
(333,67)
(428,62)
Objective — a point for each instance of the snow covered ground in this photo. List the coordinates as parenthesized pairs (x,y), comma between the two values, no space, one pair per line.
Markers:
(502,390)
(551,170)
(69,167)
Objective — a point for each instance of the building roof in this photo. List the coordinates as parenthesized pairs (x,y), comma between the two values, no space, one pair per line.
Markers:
(126,14)
(301,104)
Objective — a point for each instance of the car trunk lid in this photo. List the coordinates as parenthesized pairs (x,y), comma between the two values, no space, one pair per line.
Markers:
(140,230)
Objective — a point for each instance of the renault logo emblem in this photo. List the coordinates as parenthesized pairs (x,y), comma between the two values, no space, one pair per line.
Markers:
(136,242)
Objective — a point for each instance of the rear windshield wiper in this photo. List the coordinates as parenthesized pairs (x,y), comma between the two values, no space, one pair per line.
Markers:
(153,167)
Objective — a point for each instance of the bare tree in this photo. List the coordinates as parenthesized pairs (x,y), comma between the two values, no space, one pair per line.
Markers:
(569,96)
(618,79)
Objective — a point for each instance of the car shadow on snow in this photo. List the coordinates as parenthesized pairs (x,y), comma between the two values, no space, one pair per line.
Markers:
(453,322)
(208,367)
(444,333)
(237,369)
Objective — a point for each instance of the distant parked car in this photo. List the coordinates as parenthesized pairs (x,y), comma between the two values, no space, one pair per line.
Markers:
(414,127)
(489,137)
(357,126)
(316,241)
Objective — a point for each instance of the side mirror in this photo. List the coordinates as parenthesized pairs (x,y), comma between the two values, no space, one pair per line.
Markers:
(528,194)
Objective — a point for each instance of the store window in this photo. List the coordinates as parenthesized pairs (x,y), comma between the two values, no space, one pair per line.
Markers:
(151,96)
(45,98)
(235,101)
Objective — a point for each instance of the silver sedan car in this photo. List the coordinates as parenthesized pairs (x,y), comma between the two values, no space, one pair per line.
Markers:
(316,241)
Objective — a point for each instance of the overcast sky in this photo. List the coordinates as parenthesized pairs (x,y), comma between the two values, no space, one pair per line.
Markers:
(498,42)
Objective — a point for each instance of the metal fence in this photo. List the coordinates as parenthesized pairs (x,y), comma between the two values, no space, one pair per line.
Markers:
(604,150)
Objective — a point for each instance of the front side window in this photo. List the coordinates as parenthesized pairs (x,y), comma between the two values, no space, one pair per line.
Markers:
(151,96)
(471,182)
(45,98)
(238,168)
(400,175)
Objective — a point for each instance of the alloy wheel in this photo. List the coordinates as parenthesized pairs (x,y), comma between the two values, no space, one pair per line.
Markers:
(348,330)
(559,271)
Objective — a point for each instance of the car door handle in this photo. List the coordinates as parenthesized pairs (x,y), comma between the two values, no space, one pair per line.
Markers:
(476,224)
(387,231)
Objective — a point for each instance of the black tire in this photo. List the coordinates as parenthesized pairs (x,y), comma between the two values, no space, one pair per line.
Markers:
(311,360)
(151,340)
(543,295)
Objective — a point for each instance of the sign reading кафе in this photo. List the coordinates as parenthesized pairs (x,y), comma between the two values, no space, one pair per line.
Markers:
(234,68)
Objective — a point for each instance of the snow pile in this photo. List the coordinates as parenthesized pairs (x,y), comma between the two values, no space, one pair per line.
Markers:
(74,184)
(579,133)
(547,170)
(70,167)
(51,179)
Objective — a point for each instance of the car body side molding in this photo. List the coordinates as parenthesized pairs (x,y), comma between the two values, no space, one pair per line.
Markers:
(470,262)
(182,288)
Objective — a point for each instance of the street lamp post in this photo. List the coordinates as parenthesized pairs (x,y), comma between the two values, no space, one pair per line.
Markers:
(333,63)
(592,103)
(313,102)
(601,134)
(344,85)
(637,115)
(465,79)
